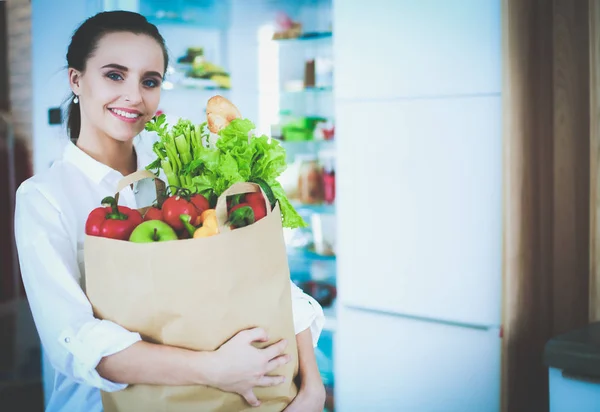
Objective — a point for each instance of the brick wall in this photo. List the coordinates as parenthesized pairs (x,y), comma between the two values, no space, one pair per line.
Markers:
(17,342)
(19,67)
(18,27)
(3,59)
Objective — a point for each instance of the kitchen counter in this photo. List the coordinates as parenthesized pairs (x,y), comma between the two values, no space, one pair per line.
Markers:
(573,360)
(576,352)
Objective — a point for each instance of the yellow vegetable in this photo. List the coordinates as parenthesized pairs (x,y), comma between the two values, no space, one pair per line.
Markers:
(208,220)
(211,222)
(205,231)
(208,214)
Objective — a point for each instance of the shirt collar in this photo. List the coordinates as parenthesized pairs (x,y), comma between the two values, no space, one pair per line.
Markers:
(96,170)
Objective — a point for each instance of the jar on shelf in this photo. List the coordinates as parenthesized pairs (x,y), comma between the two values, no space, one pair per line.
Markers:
(310,180)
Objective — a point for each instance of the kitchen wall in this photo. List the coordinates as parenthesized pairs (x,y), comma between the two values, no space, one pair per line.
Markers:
(50,82)
(419,152)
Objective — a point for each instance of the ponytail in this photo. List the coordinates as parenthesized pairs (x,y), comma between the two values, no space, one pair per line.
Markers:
(73,120)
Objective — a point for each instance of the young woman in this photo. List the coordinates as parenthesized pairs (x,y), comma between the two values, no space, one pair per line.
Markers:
(116,63)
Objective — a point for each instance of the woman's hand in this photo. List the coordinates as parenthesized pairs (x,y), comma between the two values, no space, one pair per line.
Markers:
(239,366)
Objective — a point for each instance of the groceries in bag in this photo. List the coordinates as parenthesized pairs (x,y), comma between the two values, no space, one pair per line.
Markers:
(221,201)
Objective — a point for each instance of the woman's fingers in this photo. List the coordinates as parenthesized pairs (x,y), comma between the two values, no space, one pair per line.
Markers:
(277,362)
(251,398)
(262,381)
(270,380)
(254,335)
(275,349)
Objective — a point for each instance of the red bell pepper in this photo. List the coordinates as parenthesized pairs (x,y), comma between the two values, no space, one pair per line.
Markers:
(112,221)
(240,215)
(257,202)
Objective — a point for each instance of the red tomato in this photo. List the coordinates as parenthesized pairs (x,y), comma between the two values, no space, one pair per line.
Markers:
(153,213)
(200,202)
(175,206)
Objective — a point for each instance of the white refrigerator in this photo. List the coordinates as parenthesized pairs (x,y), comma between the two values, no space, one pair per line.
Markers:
(419,262)
(419,205)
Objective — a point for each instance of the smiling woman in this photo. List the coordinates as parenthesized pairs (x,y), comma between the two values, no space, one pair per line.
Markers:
(116,100)
(116,63)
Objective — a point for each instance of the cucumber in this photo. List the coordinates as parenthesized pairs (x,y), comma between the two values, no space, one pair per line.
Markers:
(212,199)
(267,189)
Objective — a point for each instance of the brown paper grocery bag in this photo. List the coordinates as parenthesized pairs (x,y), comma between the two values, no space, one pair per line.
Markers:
(196,294)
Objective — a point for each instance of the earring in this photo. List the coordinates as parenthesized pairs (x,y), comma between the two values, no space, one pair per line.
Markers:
(76,99)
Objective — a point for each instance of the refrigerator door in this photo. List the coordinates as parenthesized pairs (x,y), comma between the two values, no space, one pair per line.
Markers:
(420,221)
(387,363)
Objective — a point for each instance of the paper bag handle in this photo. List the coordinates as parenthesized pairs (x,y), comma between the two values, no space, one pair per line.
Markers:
(236,189)
(134,177)
(141,175)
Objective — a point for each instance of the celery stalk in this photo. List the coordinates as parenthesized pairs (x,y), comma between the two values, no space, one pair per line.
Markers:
(196,143)
(156,148)
(183,148)
(172,154)
(172,177)
(198,136)
(188,133)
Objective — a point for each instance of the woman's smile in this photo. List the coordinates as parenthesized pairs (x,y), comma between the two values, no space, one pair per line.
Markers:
(126,115)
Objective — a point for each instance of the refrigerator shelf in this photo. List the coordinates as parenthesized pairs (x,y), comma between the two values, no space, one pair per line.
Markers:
(308,209)
(308,253)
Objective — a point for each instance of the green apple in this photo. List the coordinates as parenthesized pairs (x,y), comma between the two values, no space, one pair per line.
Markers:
(152,231)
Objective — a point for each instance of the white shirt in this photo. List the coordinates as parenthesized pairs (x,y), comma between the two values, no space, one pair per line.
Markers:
(50,215)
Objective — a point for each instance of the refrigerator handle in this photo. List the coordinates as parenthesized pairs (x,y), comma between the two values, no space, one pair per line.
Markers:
(446,322)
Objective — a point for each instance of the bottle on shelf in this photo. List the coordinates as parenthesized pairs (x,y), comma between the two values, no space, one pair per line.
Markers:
(327,159)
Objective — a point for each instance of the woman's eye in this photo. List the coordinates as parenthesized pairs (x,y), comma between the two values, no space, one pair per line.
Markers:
(114,76)
(150,83)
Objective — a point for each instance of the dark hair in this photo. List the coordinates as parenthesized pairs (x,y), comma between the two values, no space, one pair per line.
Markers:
(84,43)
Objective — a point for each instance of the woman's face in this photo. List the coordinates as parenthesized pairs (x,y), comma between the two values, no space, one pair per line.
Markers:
(119,90)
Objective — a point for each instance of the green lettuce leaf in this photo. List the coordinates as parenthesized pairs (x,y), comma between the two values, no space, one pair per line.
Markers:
(237,156)
(291,218)
(227,173)
(268,160)
(234,139)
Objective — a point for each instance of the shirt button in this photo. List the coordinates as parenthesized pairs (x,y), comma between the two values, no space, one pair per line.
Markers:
(67,340)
